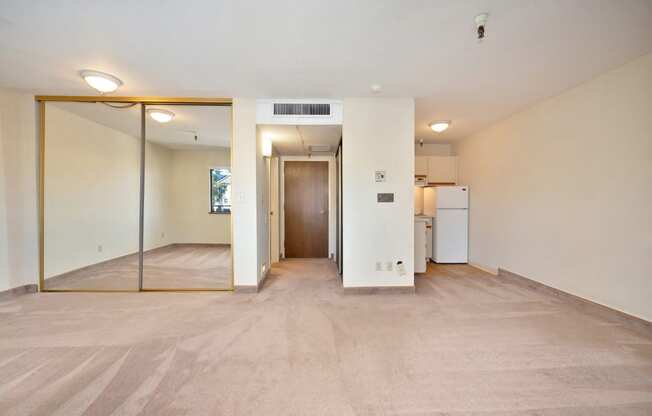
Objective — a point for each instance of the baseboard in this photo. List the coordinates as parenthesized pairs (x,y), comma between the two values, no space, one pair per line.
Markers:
(18,291)
(245,288)
(581,303)
(487,269)
(194,245)
(380,290)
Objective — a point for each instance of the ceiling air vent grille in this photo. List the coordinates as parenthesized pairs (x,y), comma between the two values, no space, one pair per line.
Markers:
(287,109)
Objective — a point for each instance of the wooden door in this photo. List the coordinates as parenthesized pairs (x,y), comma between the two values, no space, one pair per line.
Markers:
(306,209)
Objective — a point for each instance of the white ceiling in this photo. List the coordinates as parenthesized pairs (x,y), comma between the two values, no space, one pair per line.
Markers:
(423,48)
(212,124)
(296,140)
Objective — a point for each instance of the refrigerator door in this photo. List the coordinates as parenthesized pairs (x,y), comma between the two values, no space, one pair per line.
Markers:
(452,197)
(451,236)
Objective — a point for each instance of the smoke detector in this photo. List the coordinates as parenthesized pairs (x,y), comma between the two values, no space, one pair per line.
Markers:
(480,23)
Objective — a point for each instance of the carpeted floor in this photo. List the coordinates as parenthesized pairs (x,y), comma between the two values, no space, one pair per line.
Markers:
(177,266)
(467,343)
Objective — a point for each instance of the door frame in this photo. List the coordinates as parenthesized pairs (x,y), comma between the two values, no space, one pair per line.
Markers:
(41,100)
(332,221)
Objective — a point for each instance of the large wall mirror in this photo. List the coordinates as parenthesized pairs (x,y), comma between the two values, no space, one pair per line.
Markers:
(96,232)
(187,198)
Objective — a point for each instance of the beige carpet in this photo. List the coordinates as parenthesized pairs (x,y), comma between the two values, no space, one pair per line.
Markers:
(178,266)
(465,344)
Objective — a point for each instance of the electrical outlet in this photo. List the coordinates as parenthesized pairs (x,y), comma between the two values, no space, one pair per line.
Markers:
(390,266)
(400,268)
(100,248)
(379,266)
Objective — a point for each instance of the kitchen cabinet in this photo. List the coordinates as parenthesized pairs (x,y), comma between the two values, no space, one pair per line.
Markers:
(442,169)
(421,166)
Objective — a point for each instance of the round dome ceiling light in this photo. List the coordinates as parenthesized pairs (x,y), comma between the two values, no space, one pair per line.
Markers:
(160,115)
(440,126)
(102,82)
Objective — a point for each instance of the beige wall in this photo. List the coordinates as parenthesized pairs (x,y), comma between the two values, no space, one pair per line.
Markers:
(433,149)
(562,192)
(191,200)
(18,190)
(378,134)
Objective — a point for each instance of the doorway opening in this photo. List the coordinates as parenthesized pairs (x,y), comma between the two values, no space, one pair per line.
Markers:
(303,191)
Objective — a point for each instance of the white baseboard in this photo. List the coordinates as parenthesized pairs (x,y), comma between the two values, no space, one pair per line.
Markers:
(487,269)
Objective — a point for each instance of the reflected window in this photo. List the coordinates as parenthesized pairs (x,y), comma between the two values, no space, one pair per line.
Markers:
(220,191)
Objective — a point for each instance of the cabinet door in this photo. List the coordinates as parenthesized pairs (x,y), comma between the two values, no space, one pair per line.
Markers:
(421,165)
(442,169)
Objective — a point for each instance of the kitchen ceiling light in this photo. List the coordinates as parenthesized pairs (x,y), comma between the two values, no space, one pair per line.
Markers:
(439,126)
(102,82)
(160,115)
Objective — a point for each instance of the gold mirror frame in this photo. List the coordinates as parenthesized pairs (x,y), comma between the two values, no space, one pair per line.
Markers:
(143,101)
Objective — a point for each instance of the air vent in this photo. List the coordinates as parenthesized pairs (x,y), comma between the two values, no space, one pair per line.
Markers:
(319,148)
(288,109)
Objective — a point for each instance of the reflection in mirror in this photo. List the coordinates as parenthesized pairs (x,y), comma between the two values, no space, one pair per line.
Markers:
(187,230)
(91,196)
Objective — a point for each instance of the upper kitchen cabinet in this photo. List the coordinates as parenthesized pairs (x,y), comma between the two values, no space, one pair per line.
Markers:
(421,166)
(442,169)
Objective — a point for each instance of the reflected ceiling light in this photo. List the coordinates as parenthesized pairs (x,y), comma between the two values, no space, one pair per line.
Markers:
(102,82)
(439,126)
(267,146)
(160,115)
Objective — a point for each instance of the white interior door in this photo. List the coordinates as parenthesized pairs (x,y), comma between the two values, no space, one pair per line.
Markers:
(452,230)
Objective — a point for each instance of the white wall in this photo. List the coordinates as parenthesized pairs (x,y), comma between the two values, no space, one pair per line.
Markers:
(378,134)
(262,207)
(191,199)
(332,207)
(433,149)
(18,190)
(562,192)
(244,152)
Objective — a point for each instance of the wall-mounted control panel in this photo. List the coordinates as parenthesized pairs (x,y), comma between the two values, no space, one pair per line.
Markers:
(385,197)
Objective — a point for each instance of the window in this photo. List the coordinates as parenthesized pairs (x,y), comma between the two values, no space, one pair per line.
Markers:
(220,191)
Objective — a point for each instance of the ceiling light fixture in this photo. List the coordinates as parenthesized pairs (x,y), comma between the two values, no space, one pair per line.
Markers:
(440,126)
(102,82)
(160,115)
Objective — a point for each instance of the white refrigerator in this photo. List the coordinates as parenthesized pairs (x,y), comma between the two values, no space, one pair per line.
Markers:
(451,225)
